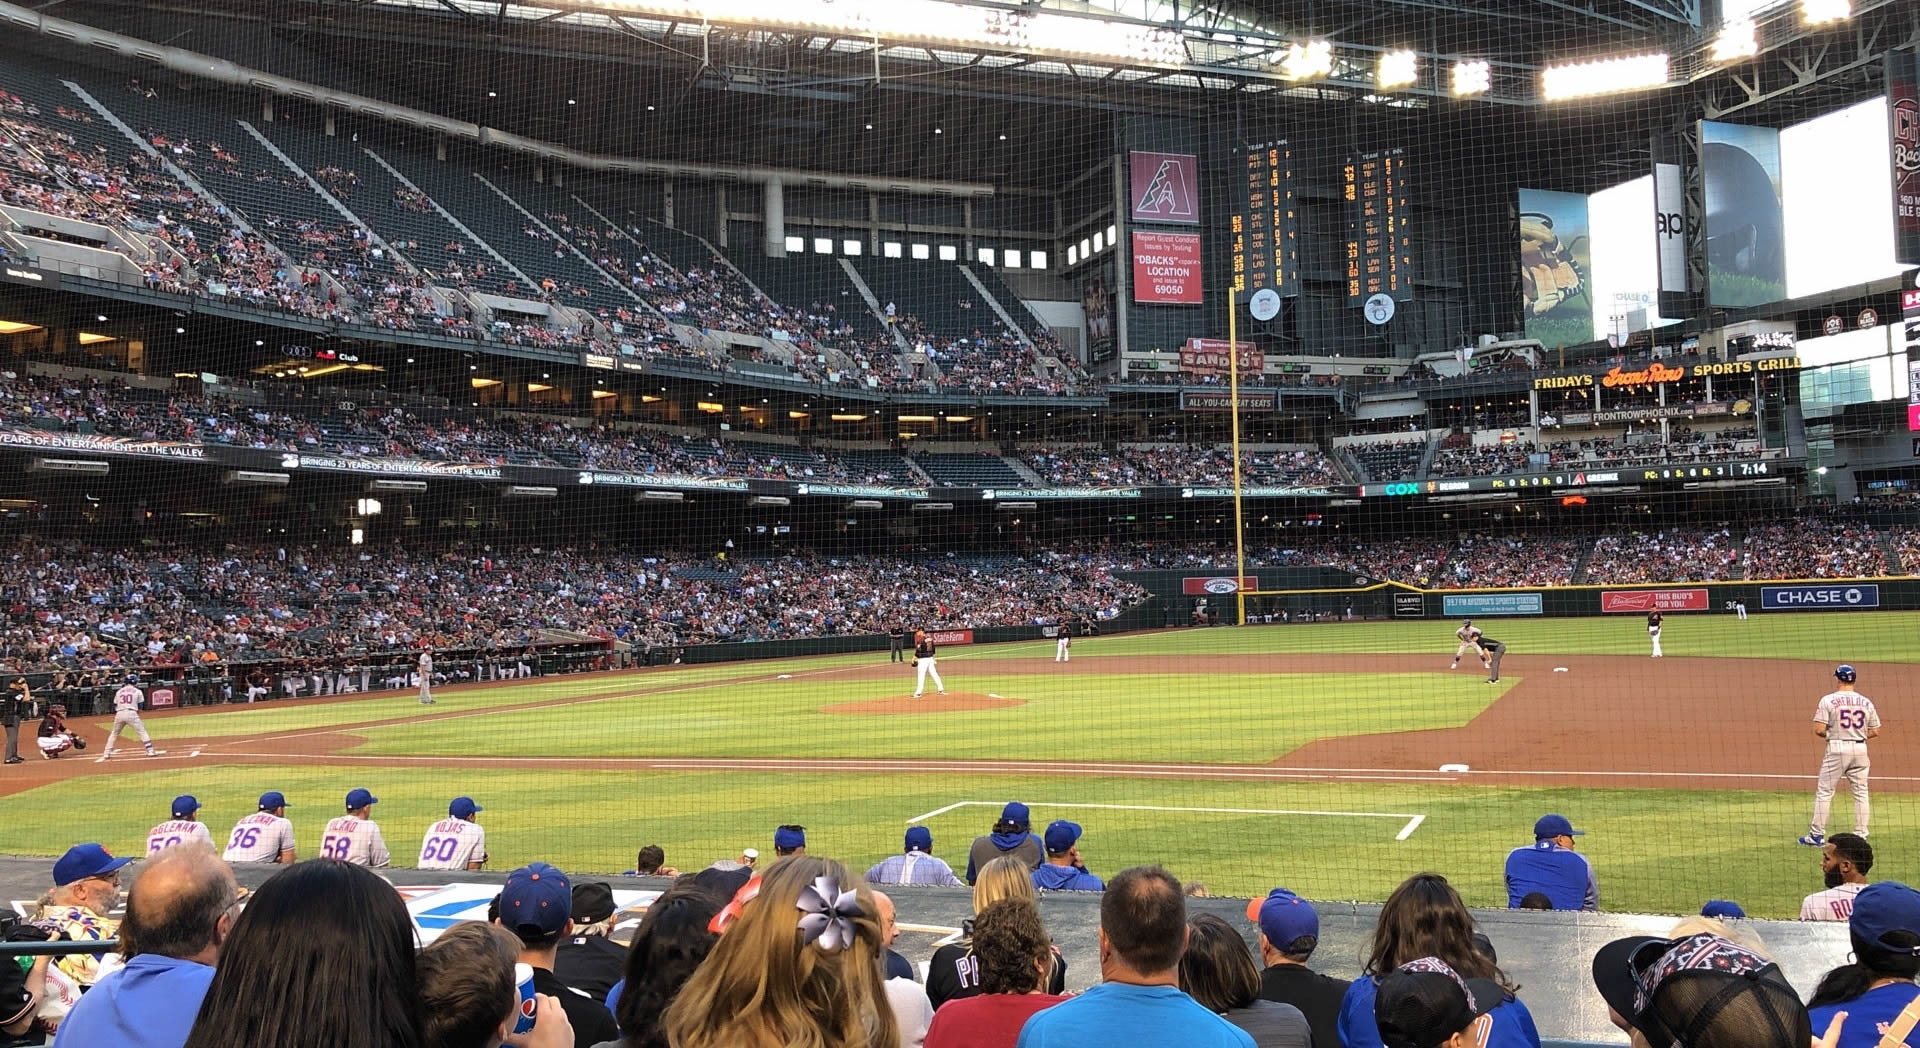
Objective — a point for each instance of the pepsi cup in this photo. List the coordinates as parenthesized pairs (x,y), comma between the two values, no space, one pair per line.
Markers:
(528,1003)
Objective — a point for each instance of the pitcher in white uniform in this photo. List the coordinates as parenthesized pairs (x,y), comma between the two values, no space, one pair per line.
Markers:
(355,837)
(126,714)
(1846,719)
(264,836)
(185,827)
(457,842)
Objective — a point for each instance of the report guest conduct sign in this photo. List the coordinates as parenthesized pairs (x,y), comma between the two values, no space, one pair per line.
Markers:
(1166,268)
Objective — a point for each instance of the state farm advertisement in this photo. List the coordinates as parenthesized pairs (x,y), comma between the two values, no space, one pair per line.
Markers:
(950,636)
(1643,601)
(1166,268)
(1222,586)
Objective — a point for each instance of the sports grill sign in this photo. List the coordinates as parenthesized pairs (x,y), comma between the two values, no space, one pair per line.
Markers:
(1643,601)
(1820,598)
(1218,586)
(1166,187)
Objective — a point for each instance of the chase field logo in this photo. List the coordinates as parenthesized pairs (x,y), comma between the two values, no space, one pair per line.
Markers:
(1165,187)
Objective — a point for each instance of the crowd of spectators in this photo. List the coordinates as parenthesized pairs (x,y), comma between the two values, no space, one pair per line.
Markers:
(1704,553)
(1814,547)
(1515,560)
(1459,456)
(1132,465)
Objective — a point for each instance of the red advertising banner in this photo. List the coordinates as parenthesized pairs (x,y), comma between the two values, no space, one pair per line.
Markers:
(1166,187)
(1218,586)
(1903,115)
(1643,601)
(950,636)
(162,698)
(1208,356)
(1166,268)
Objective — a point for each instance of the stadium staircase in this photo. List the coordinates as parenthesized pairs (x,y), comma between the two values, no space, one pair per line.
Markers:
(993,303)
(604,290)
(1015,310)
(1896,565)
(928,291)
(1427,457)
(873,302)
(1579,575)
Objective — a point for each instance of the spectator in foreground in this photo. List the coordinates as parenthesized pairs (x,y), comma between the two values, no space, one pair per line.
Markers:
(802,964)
(1143,930)
(1289,933)
(911,1008)
(1014,958)
(1878,985)
(1699,992)
(181,908)
(1845,859)
(916,865)
(1064,871)
(1534,901)
(789,840)
(1424,917)
(86,885)
(1552,868)
(954,973)
(1012,835)
(1723,909)
(468,996)
(651,861)
(322,955)
(588,960)
(672,941)
(898,967)
(1425,1004)
(537,905)
(1218,972)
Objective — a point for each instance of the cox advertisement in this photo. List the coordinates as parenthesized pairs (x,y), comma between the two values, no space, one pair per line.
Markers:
(1820,598)
(1218,587)
(1643,601)
(1471,604)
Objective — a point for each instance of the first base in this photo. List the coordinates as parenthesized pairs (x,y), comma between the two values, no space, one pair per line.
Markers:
(1559,669)
(1453,769)
(784,676)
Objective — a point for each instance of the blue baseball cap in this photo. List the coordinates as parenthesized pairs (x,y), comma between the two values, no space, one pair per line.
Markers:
(463,807)
(185,805)
(85,860)
(273,799)
(1555,826)
(1284,917)
(1845,673)
(789,838)
(360,798)
(1880,909)
(1015,812)
(1061,836)
(537,897)
(920,839)
(1722,908)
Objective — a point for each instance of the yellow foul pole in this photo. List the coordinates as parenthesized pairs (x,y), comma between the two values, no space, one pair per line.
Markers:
(1233,389)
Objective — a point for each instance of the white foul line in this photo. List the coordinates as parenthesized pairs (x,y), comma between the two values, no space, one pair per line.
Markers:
(1412,825)
(1413,821)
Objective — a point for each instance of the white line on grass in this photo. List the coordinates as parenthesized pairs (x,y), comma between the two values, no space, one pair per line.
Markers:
(1413,821)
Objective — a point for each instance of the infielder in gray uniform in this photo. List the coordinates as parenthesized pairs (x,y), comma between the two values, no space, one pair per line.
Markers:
(1846,719)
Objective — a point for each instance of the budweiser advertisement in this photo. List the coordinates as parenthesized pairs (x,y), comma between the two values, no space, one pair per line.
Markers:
(950,636)
(1643,601)
(1218,586)
(1208,356)
(1166,268)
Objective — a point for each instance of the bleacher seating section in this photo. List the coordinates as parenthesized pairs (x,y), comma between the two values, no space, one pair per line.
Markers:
(970,471)
(1392,461)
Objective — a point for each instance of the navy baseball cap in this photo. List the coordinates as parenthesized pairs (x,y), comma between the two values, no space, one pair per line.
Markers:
(920,839)
(360,798)
(1061,836)
(1015,812)
(1845,673)
(273,799)
(789,838)
(1886,907)
(537,897)
(1284,917)
(1722,908)
(85,860)
(463,807)
(185,805)
(1555,826)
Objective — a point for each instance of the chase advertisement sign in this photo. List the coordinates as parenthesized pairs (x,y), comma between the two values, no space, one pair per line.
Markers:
(1820,598)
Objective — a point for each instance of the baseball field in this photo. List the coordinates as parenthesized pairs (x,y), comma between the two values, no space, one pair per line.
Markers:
(1325,757)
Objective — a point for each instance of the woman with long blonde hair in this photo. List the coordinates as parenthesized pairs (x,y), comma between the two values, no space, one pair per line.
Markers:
(954,973)
(803,966)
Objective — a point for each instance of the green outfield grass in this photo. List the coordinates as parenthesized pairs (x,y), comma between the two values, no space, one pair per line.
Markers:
(1655,851)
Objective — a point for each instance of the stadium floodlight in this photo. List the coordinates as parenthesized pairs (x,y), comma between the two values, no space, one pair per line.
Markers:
(1603,77)
(1737,40)
(1398,69)
(1471,77)
(1820,12)
(1307,59)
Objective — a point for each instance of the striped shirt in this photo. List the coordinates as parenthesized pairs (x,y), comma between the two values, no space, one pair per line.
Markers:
(915,867)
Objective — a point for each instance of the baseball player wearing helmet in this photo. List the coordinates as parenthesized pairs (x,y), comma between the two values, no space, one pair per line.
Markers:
(1469,635)
(126,714)
(925,664)
(1846,719)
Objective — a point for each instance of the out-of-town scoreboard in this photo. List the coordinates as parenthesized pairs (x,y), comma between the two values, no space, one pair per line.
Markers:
(1379,247)
(1266,225)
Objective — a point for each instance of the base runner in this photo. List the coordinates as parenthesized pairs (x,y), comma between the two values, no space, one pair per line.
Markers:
(1469,635)
(457,842)
(1654,618)
(1846,719)
(925,664)
(126,714)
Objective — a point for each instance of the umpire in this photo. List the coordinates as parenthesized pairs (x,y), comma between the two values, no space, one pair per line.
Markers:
(15,703)
(896,644)
(1494,650)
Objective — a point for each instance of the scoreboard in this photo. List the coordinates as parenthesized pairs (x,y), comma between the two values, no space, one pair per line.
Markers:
(1379,247)
(1265,231)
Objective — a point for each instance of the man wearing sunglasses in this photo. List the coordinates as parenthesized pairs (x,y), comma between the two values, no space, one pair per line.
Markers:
(86,888)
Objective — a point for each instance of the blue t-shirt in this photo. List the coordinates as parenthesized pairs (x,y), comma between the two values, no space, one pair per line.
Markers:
(1512,1023)
(149,1004)
(1867,1014)
(1121,1013)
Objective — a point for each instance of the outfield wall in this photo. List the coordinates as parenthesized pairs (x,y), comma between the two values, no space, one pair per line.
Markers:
(1144,616)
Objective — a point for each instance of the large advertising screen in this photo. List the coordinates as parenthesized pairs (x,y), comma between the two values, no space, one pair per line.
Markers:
(1745,221)
(1839,225)
(1555,258)
(1903,133)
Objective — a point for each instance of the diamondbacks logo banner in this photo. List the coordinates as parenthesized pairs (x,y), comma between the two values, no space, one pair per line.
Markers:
(1166,187)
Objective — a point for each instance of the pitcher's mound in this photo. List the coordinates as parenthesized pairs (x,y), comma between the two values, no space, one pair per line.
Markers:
(951,702)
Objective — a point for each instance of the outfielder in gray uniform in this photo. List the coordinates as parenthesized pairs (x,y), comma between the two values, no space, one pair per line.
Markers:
(1846,719)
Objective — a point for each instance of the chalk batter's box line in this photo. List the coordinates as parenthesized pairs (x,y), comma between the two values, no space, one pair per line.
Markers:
(1413,821)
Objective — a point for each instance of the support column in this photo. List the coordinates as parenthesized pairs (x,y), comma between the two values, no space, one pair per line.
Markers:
(720,219)
(331,131)
(1122,270)
(266,109)
(773,214)
(666,204)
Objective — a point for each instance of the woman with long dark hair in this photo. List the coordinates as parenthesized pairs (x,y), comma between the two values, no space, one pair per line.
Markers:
(1218,971)
(322,957)
(1425,917)
(1878,986)
(671,942)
